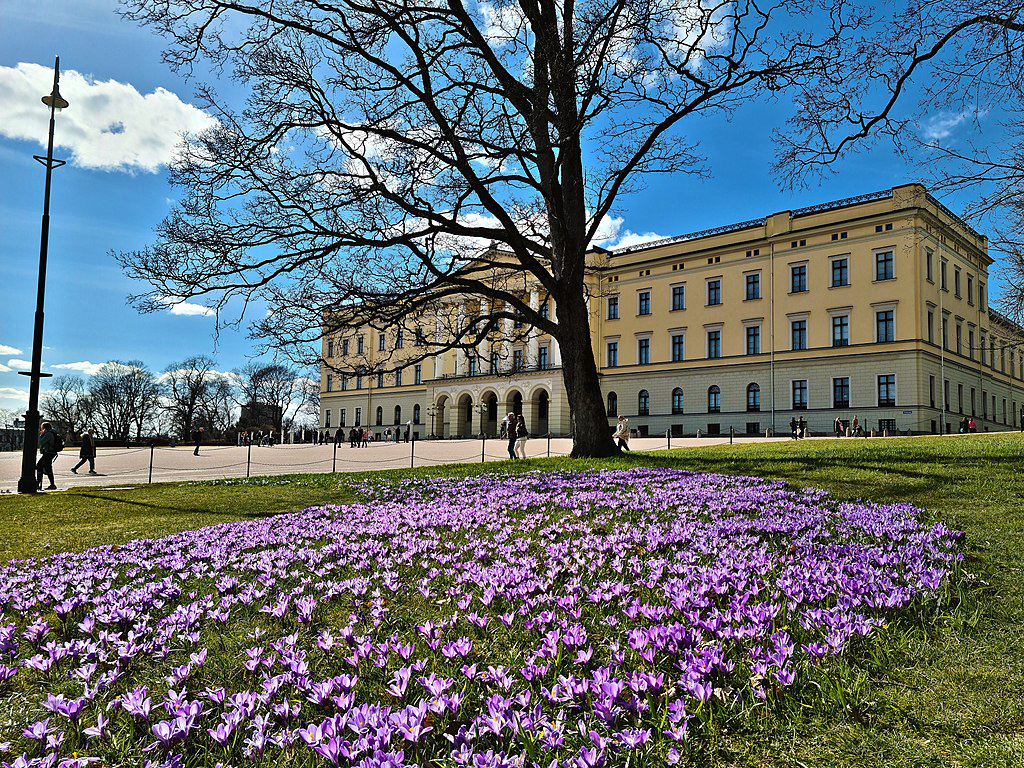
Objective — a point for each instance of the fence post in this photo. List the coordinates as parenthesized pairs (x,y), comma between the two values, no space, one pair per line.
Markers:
(483,447)
(152,448)
(668,434)
(549,445)
(412,453)
(248,459)
(334,463)
(732,433)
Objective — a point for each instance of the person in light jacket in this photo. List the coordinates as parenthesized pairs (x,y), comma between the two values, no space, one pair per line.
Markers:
(622,433)
(86,452)
(522,434)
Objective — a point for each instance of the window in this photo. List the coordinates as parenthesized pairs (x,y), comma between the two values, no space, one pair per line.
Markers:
(542,358)
(613,307)
(942,274)
(677,400)
(613,354)
(399,338)
(714,292)
(495,362)
(840,330)
(517,360)
(982,348)
(418,338)
(956,281)
(840,272)
(381,341)
(714,344)
(327,418)
(398,414)
(931,326)
(678,297)
(928,264)
(678,347)
(885,268)
(344,347)
(798,334)
(885,325)
(341,420)
(330,383)
(643,351)
(798,278)
(753,398)
(960,397)
(981,296)
(714,399)
(959,338)
(418,374)
(887,390)
(613,404)
(380,416)
(753,286)
(344,383)
(398,376)
(945,333)
(544,311)
(380,380)
(359,382)
(841,392)
(931,391)
(970,343)
(643,405)
(800,395)
(416,414)
(643,303)
(360,344)
(753,339)
(359,417)
(970,290)
(471,365)
(330,348)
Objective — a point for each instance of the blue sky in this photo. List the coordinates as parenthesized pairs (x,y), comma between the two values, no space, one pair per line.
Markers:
(126,107)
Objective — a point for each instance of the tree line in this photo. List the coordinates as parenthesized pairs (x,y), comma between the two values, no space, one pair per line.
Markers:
(125,400)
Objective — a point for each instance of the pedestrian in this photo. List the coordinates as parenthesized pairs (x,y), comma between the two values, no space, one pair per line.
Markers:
(339,435)
(622,433)
(963,426)
(408,430)
(86,452)
(509,429)
(855,427)
(197,438)
(522,434)
(503,430)
(387,435)
(366,438)
(50,444)
(972,426)
(802,428)
(839,427)
(792,428)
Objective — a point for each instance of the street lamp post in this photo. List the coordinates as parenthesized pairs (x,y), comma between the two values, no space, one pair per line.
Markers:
(27,483)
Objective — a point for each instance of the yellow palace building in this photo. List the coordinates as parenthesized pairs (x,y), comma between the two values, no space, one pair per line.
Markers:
(873,307)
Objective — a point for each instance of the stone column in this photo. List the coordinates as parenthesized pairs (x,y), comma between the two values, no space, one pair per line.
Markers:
(556,354)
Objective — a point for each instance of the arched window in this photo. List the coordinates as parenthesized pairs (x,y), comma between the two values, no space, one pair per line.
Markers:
(398,414)
(677,400)
(643,407)
(416,414)
(380,415)
(613,404)
(753,397)
(714,399)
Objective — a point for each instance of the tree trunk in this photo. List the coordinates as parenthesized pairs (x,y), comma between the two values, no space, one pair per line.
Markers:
(592,437)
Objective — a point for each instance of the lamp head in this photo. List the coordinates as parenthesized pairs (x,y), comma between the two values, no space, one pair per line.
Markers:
(55,100)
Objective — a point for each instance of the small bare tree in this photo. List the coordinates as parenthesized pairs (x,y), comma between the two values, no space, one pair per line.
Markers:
(189,388)
(126,398)
(395,157)
(66,404)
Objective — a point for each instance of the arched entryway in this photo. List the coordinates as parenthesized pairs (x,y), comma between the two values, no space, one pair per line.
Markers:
(514,402)
(541,401)
(464,419)
(440,409)
(491,418)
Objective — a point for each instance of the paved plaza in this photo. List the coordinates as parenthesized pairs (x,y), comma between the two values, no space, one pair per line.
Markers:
(131,466)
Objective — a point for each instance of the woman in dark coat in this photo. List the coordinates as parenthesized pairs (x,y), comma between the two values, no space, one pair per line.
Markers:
(87,452)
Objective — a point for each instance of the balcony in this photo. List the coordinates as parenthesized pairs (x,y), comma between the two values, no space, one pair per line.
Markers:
(514,371)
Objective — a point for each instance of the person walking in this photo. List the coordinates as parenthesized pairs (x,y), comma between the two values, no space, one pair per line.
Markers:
(509,427)
(339,437)
(972,425)
(855,427)
(86,452)
(622,433)
(838,427)
(197,438)
(50,444)
(793,426)
(366,438)
(801,428)
(522,435)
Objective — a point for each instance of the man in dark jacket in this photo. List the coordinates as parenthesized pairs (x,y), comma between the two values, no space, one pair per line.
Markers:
(49,447)
(86,452)
(197,438)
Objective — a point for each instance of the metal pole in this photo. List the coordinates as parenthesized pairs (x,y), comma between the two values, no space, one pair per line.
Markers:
(334,464)
(732,433)
(152,448)
(549,445)
(668,434)
(412,454)
(483,447)
(27,482)
(248,459)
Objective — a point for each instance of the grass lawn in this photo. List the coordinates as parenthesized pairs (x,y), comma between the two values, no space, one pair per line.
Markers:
(948,692)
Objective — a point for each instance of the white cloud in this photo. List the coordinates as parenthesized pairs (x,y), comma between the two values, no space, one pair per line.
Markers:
(19,365)
(83,366)
(941,126)
(109,125)
(630,238)
(178,307)
(612,235)
(11,397)
(6,350)
(4,368)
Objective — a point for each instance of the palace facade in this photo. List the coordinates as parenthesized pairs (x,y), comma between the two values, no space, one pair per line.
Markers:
(874,306)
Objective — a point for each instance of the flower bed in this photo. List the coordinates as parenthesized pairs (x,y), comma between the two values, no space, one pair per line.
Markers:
(543,619)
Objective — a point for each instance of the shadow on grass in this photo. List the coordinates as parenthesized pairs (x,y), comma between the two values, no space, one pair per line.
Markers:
(236,513)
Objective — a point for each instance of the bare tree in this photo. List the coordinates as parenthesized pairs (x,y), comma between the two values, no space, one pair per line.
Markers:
(272,394)
(66,403)
(126,398)
(189,389)
(387,145)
